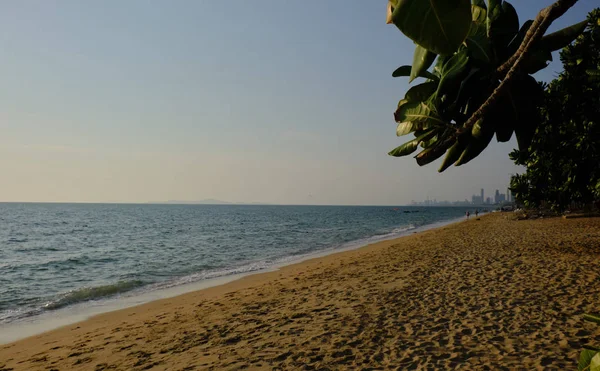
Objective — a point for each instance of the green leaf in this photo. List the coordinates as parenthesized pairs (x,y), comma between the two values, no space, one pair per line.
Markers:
(422,60)
(536,60)
(423,135)
(504,132)
(453,72)
(503,25)
(585,358)
(405,127)
(441,61)
(390,10)
(559,39)
(405,149)
(473,150)
(480,3)
(411,146)
(483,130)
(592,318)
(430,154)
(524,133)
(402,102)
(427,137)
(402,71)
(505,116)
(405,71)
(480,48)
(414,116)
(477,144)
(452,155)
(593,73)
(510,19)
(478,13)
(440,26)
(477,41)
(595,363)
(528,95)
(421,92)
(429,141)
(515,43)
(493,12)
(477,130)
(494,3)
(473,86)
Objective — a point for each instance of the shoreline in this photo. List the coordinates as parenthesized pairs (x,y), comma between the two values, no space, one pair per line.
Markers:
(55,319)
(482,294)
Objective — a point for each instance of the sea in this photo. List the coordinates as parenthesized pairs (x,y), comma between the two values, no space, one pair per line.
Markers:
(84,259)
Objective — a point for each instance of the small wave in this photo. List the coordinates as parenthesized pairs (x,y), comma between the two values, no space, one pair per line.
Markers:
(17,240)
(393,233)
(91,293)
(403,228)
(9,315)
(216,273)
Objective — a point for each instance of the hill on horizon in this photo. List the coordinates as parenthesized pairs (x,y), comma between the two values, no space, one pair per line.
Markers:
(208,201)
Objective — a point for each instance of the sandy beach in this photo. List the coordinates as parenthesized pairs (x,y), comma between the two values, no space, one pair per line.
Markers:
(484,294)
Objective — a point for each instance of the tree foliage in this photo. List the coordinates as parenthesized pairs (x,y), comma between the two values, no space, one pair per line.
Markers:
(589,358)
(477,61)
(563,159)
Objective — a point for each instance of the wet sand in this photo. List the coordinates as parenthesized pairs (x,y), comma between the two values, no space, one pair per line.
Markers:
(484,294)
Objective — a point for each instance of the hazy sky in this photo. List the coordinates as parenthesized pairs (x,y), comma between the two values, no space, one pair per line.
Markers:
(264,100)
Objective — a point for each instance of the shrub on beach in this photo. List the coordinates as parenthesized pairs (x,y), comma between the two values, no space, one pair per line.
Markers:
(562,159)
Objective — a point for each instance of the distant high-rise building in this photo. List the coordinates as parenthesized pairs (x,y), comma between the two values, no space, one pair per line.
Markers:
(488,200)
(482,198)
(508,194)
(497,197)
(476,200)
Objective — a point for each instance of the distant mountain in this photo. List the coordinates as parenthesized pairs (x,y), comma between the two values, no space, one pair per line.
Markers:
(208,201)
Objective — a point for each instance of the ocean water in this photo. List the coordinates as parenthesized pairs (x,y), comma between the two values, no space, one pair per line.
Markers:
(53,256)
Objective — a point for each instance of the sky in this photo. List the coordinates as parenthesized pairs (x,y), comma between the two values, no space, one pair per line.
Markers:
(270,101)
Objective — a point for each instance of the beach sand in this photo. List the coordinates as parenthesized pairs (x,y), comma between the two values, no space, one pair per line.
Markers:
(488,294)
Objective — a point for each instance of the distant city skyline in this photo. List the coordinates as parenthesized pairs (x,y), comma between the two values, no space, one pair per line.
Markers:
(476,200)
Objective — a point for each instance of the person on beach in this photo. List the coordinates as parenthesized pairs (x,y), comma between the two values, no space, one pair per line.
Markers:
(476,213)
(467,213)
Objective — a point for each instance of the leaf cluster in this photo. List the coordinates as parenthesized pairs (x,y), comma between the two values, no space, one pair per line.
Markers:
(460,47)
(589,358)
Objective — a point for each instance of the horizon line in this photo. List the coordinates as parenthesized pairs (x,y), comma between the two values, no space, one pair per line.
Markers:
(192,203)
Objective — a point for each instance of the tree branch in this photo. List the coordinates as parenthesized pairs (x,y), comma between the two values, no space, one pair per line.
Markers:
(540,25)
(543,20)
